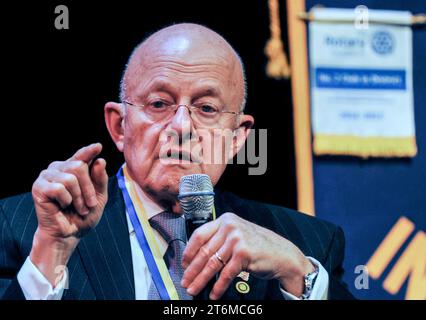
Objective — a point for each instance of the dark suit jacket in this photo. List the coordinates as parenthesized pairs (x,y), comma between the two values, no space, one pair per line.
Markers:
(101,266)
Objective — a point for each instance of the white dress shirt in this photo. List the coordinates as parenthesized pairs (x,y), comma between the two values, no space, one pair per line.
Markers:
(35,286)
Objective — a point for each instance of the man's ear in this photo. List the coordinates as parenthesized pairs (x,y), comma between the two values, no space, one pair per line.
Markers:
(241,133)
(114,118)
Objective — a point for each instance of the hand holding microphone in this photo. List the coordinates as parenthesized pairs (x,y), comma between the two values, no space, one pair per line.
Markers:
(226,246)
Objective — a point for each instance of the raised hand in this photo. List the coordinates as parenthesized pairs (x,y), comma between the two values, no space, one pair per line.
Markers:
(69,198)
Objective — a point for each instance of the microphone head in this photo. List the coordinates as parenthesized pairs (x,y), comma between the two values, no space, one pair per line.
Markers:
(196,197)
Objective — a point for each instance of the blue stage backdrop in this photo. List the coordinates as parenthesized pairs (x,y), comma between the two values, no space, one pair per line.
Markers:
(381,203)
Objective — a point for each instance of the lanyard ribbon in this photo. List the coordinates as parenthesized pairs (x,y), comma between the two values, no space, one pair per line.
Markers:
(145,237)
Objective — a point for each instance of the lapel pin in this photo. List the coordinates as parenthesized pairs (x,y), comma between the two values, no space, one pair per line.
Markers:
(242,287)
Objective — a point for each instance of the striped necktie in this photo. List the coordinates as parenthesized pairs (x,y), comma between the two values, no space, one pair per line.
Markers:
(173,230)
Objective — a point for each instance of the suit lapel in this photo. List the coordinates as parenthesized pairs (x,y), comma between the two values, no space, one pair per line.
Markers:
(105,251)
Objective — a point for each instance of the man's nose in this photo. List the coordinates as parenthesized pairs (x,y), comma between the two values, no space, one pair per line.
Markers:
(181,123)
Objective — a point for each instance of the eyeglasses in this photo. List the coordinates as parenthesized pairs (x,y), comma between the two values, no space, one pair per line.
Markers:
(203,114)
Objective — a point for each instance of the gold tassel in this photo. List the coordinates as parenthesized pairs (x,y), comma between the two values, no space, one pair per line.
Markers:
(277,67)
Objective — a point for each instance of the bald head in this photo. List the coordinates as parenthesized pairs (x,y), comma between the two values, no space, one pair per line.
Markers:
(185,44)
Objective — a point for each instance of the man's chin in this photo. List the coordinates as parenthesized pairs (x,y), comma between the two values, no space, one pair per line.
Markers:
(165,177)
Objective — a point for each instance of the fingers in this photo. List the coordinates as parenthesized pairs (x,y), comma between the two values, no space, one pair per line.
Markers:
(80,170)
(212,266)
(88,153)
(73,174)
(71,184)
(79,163)
(223,236)
(200,236)
(204,265)
(99,176)
(82,159)
(45,191)
(228,273)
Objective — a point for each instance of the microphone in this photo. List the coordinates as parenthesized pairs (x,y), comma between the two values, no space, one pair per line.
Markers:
(196,198)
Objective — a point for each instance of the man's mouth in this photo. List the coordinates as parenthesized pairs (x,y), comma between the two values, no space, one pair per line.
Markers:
(180,156)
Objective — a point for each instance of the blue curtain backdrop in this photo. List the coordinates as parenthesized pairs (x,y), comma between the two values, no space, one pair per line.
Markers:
(368,197)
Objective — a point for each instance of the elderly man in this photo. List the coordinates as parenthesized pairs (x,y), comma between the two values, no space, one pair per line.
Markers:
(80,235)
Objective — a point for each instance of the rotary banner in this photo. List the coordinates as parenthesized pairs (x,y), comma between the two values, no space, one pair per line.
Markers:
(361,83)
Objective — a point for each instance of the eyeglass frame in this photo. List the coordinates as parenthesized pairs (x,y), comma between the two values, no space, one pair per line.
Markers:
(177,106)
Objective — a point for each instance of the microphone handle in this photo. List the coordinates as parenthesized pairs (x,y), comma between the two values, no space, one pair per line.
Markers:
(191,225)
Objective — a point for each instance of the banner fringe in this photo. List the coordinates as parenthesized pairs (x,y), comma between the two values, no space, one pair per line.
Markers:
(365,147)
